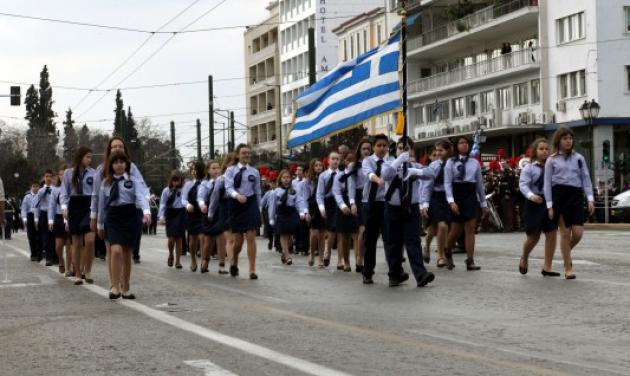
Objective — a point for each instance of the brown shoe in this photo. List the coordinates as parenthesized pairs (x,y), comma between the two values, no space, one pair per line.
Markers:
(470,265)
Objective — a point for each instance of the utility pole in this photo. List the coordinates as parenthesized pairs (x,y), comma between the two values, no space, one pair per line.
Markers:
(232,140)
(312,78)
(173,154)
(198,139)
(211,117)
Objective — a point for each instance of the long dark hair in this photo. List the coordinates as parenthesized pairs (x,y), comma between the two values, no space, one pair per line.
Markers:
(115,157)
(535,148)
(456,143)
(557,137)
(200,172)
(311,175)
(77,164)
(446,145)
(175,175)
(357,154)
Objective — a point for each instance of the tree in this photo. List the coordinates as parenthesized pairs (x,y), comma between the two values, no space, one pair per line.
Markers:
(42,137)
(154,158)
(15,169)
(70,138)
(119,118)
(349,138)
(84,135)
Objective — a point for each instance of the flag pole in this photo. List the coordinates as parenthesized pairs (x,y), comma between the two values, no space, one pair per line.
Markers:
(403,37)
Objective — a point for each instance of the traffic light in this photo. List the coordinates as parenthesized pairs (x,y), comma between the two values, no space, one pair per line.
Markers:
(15,95)
(606,151)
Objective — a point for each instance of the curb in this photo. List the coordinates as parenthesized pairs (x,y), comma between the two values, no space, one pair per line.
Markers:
(608,226)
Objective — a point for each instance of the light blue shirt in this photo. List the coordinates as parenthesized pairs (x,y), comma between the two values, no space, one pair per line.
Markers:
(131,191)
(429,186)
(346,188)
(274,202)
(98,178)
(186,192)
(87,181)
(322,182)
(177,202)
(204,191)
(41,200)
(368,168)
(54,205)
(219,193)
(264,202)
(472,174)
(305,192)
(250,181)
(571,171)
(27,205)
(393,170)
(528,179)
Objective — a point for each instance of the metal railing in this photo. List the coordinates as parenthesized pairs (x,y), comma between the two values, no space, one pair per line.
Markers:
(469,22)
(469,72)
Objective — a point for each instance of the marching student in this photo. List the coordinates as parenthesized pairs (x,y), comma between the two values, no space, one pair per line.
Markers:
(309,211)
(76,195)
(531,185)
(40,205)
(114,144)
(120,196)
(211,229)
(373,203)
(242,184)
(264,210)
(402,215)
(364,150)
(173,214)
(28,218)
(326,203)
(58,226)
(430,229)
(218,214)
(302,233)
(283,213)
(435,208)
(463,185)
(194,223)
(567,181)
(346,221)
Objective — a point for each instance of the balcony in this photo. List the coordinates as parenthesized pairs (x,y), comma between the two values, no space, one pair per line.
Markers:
(263,54)
(515,62)
(493,23)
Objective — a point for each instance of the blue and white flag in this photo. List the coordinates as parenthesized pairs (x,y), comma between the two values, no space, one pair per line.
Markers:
(352,93)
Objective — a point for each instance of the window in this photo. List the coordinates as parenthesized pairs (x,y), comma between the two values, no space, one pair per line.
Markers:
(505,98)
(458,107)
(351,46)
(571,28)
(520,94)
(472,105)
(437,111)
(535,91)
(572,85)
(626,12)
(487,101)
(418,114)
(628,77)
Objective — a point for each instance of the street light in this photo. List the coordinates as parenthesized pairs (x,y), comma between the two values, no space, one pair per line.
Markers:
(589,111)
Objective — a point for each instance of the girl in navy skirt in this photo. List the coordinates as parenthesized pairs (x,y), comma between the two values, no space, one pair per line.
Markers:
(435,208)
(58,225)
(464,189)
(364,150)
(429,229)
(242,183)
(194,217)
(310,211)
(531,185)
(218,213)
(566,183)
(76,194)
(346,222)
(119,199)
(326,201)
(173,214)
(211,229)
(283,213)
(264,210)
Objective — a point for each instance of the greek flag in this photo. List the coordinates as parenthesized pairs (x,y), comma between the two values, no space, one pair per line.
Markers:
(352,93)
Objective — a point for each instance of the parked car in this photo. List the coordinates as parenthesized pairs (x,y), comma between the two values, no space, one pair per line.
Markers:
(620,207)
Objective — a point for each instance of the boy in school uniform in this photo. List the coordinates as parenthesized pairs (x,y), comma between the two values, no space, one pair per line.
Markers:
(40,208)
(28,218)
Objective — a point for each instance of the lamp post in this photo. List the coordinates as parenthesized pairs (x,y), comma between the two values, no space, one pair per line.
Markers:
(278,108)
(588,112)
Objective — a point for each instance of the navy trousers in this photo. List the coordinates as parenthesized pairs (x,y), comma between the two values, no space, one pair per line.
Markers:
(46,238)
(33,240)
(373,228)
(402,227)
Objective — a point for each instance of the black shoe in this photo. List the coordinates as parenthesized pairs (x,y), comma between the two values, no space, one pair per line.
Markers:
(269,245)
(129,296)
(136,260)
(49,263)
(359,268)
(368,280)
(113,296)
(522,269)
(33,258)
(426,278)
(89,281)
(234,271)
(549,274)
(470,265)
(39,258)
(399,281)
(78,282)
(253,275)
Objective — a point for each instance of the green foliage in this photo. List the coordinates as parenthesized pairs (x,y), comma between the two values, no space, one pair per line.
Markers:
(70,138)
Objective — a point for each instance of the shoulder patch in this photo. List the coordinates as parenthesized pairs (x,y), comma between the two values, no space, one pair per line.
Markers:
(251,178)
(128,184)
(89,180)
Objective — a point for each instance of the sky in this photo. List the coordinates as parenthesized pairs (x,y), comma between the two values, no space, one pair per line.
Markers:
(81,57)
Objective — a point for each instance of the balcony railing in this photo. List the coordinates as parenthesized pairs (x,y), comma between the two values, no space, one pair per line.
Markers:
(507,62)
(470,22)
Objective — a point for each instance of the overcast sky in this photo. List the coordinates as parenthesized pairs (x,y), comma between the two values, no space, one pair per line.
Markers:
(79,56)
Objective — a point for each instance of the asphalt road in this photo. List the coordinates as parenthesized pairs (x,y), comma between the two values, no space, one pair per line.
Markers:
(297,320)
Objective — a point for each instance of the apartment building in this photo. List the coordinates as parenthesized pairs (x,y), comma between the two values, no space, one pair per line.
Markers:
(296,17)
(518,69)
(262,86)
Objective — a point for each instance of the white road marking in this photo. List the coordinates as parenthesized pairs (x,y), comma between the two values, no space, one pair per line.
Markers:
(274,356)
(209,368)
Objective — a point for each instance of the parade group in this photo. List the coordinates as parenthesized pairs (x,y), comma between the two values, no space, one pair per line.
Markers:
(344,202)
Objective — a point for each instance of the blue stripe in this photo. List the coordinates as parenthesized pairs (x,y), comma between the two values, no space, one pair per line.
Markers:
(350,101)
(389,63)
(343,123)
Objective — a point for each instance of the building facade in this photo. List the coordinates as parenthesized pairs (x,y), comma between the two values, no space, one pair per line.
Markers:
(262,86)
(518,69)
(296,17)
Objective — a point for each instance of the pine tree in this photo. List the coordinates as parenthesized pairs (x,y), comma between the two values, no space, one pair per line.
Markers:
(70,138)
(120,118)
(84,136)
(31,102)
(132,139)
(46,136)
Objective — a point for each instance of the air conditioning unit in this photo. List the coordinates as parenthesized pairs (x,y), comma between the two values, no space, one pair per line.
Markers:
(474,124)
(561,106)
(522,118)
(483,120)
(547,117)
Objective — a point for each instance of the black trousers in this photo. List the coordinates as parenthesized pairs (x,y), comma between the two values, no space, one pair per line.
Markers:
(33,240)
(46,238)
(136,247)
(374,212)
(402,227)
(302,237)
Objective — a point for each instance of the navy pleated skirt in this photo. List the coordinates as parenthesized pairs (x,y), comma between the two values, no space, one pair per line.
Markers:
(465,195)
(287,220)
(175,222)
(439,211)
(244,217)
(122,226)
(568,202)
(79,215)
(59,227)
